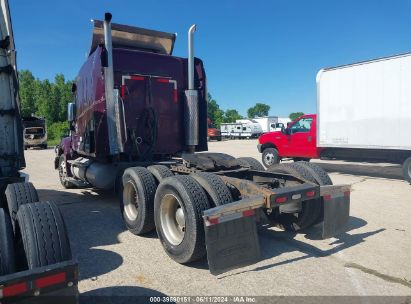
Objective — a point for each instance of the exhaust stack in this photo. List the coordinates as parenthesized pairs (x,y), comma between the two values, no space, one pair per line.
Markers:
(191,98)
(114,121)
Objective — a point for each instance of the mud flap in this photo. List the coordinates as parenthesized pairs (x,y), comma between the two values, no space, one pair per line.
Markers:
(336,214)
(232,244)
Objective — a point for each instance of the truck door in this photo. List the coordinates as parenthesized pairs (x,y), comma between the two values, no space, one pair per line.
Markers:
(301,140)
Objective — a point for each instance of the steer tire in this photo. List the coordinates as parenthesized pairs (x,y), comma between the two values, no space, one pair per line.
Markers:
(137,203)
(251,163)
(185,243)
(311,209)
(217,192)
(160,172)
(19,194)
(7,263)
(406,169)
(43,234)
(270,157)
(63,175)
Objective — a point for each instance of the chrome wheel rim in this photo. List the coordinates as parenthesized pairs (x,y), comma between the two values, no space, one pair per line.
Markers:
(130,201)
(172,219)
(268,158)
(63,171)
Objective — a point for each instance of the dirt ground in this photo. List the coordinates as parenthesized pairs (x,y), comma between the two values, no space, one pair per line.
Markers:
(371,258)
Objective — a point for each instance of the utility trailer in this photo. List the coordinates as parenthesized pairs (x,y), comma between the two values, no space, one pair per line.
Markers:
(35,258)
(141,130)
(35,132)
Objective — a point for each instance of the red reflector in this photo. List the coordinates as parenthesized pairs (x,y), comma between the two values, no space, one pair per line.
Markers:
(327,197)
(123,91)
(51,280)
(163,80)
(347,193)
(137,78)
(14,290)
(248,213)
(281,199)
(213,221)
(310,193)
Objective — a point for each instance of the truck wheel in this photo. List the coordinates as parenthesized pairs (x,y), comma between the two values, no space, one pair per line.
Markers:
(178,209)
(321,176)
(19,194)
(43,234)
(63,176)
(270,157)
(406,169)
(137,204)
(160,172)
(310,210)
(7,263)
(250,162)
(215,188)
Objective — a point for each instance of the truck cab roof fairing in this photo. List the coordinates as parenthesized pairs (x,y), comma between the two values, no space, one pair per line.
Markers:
(135,38)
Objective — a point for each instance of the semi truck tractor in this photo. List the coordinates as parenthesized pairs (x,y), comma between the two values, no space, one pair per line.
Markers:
(363,113)
(139,127)
(35,258)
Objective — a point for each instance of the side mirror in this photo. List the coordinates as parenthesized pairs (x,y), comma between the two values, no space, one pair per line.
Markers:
(71,111)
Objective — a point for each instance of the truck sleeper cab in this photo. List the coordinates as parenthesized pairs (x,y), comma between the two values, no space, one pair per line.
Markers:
(140,118)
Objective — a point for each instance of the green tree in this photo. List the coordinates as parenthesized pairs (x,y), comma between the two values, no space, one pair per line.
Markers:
(215,114)
(293,116)
(28,87)
(231,115)
(260,109)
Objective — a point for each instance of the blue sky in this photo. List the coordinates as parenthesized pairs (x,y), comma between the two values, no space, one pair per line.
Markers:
(254,51)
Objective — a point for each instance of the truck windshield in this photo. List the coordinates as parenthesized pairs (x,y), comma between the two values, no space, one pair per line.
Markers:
(34,131)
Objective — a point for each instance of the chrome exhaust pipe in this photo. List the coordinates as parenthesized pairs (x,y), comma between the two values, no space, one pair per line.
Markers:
(112,102)
(191,98)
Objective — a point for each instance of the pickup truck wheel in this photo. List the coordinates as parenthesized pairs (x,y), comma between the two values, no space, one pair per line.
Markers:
(42,234)
(406,169)
(19,194)
(63,176)
(7,263)
(178,209)
(270,157)
(160,172)
(215,188)
(137,204)
(310,210)
(251,163)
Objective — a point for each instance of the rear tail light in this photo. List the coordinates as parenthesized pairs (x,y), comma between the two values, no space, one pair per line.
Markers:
(310,193)
(281,199)
(14,290)
(51,280)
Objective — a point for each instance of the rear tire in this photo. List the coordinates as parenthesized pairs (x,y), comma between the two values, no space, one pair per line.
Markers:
(19,194)
(160,172)
(406,169)
(321,176)
(178,209)
(215,188)
(270,157)
(137,203)
(43,234)
(251,163)
(7,262)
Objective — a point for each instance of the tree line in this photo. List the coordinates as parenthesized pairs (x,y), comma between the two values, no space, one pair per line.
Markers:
(49,100)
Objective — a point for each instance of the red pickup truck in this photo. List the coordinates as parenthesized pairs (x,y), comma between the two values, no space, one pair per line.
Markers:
(297,141)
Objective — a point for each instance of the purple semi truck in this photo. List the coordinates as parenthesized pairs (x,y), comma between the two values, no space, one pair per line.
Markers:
(139,126)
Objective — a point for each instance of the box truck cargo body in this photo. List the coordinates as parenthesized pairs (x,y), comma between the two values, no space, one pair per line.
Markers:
(366,105)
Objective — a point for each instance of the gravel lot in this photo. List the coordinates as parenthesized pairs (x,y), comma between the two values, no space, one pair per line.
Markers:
(371,258)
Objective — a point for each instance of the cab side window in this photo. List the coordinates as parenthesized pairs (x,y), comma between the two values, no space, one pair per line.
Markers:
(303,125)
